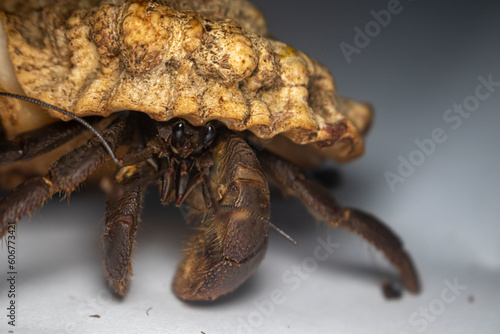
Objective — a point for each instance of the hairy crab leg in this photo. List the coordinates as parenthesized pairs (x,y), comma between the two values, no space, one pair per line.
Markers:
(64,175)
(322,205)
(230,244)
(31,144)
(123,206)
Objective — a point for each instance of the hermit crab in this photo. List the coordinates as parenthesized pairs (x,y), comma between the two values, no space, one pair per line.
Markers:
(193,95)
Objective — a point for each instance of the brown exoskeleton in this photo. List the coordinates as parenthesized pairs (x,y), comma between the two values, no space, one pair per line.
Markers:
(216,171)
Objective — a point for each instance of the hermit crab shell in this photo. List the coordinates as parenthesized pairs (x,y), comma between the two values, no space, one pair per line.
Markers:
(201,60)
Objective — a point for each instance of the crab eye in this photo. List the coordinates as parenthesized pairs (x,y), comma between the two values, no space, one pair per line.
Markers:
(210,134)
(178,130)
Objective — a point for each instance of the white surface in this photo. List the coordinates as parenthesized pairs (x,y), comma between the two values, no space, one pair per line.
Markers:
(447,212)
(60,283)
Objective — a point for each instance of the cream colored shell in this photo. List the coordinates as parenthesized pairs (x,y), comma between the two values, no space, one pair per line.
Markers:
(200,60)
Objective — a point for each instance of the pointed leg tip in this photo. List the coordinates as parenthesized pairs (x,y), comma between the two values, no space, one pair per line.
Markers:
(118,287)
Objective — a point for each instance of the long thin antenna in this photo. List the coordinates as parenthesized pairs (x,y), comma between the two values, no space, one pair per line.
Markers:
(67,113)
(267,221)
(283,233)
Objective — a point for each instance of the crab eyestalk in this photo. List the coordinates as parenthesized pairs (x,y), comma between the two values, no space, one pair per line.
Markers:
(187,149)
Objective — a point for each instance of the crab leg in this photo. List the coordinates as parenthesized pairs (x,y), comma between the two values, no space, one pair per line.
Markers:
(40,141)
(123,205)
(64,175)
(230,244)
(321,204)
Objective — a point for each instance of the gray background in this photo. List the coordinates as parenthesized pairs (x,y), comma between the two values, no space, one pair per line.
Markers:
(426,60)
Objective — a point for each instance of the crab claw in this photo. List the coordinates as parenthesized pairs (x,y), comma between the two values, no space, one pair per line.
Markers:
(213,267)
(231,242)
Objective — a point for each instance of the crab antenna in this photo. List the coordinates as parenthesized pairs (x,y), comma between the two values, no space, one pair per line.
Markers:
(267,221)
(283,233)
(67,113)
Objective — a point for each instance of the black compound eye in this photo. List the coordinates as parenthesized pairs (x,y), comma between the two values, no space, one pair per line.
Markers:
(210,134)
(178,130)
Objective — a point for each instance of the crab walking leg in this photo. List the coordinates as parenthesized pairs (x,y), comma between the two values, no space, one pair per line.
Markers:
(230,244)
(321,204)
(123,206)
(40,141)
(64,175)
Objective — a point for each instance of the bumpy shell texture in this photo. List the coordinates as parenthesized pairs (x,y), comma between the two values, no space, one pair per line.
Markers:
(200,60)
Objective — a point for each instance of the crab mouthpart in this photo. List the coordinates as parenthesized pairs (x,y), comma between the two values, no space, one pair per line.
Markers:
(175,183)
(167,186)
(182,181)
